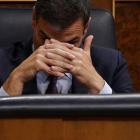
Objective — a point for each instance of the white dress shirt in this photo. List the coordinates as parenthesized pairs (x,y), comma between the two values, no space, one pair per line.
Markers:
(63,84)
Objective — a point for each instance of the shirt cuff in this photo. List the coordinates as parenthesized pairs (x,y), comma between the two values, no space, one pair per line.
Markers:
(2,92)
(106,89)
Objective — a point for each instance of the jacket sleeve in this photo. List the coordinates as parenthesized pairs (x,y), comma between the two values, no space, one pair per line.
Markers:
(121,79)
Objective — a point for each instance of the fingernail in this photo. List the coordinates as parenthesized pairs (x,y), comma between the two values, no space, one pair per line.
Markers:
(52,40)
(72,56)
(54,68)
(48,45)
(69,66)
(62,75)
(72,45)
(49,54)
(46,39)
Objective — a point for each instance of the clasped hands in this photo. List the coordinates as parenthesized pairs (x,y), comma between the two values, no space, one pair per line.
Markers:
(57,58)
(66,58)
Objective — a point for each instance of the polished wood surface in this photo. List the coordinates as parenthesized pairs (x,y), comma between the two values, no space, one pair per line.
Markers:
(30,129)
(115,1)
(70,129)
(16,4)
(127,18)
(105,4)
(17,0)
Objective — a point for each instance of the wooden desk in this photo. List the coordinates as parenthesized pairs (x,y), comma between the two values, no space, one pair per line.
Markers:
(41,118)
(70,129)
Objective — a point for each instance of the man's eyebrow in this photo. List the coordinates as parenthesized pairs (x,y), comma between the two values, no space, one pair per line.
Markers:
(75,38)
(45,35)
(71,41)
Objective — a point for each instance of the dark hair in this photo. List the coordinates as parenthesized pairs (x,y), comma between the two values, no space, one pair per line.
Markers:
(63,13)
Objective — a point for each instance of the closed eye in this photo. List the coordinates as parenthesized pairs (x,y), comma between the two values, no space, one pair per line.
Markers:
(44,36)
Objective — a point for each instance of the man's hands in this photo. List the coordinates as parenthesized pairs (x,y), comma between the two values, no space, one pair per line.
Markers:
(38,61)
(57,58)
(83,69)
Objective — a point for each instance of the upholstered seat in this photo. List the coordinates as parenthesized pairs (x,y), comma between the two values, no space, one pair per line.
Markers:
(15,25)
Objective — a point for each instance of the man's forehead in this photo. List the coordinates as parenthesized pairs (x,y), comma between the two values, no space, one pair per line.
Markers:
(57,27)
(62,37)
(74,32)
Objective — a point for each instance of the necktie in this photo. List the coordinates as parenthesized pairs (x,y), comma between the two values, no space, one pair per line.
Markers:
(52,86)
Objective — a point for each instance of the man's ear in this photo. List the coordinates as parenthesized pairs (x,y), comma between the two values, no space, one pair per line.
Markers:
(87,26)
(33,24)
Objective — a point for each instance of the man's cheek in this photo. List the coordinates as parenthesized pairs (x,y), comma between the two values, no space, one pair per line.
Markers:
(40,42)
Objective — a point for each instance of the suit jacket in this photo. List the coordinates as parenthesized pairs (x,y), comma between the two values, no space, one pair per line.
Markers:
(109,64)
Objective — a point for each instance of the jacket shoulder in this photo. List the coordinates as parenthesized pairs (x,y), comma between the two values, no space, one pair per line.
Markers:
(10,57)
(15,49)
(103,54)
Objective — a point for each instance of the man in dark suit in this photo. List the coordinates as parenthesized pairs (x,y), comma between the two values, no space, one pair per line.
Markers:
(54,62)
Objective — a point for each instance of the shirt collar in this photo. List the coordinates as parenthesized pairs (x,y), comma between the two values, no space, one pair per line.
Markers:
(43,76)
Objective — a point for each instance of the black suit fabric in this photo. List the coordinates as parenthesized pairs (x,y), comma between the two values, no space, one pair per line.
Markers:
(109,63)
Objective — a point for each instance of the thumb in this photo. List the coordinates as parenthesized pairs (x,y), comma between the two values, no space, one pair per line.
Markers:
(47,41)
(87,44)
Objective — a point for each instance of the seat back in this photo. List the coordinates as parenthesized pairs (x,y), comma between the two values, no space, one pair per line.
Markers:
(15,25)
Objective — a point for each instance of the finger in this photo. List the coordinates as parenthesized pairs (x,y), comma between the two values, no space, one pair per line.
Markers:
(87,44)
(41,51)
(47,41)
(57,57)
(56,42)
(64,52)
(55,73)
(52,54)
(51,62)
(47,69)
(58,69)
(59,64)
(59,50)
(41,48)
